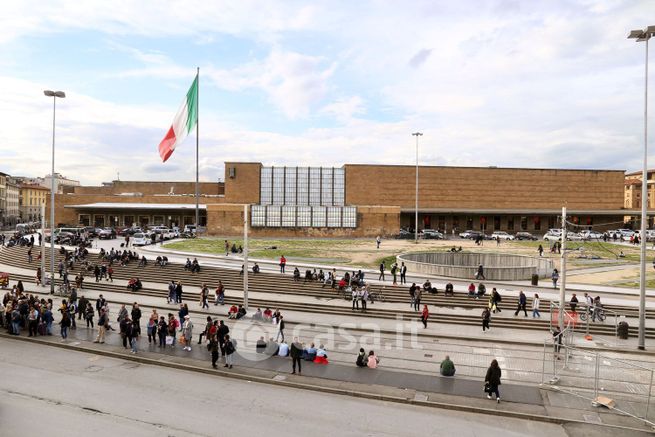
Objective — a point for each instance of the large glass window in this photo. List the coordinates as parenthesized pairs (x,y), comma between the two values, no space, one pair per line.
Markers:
(326,188)
(339,186)
(273,216)
(315,186)
(304,216)
(303,186)
(265,186)
(290,186)
(288,216)
(349,217)
(319,216)
(334,217)
(258,216)
(510,223)
(278,186)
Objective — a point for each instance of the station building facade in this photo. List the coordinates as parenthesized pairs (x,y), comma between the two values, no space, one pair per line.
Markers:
(358,200)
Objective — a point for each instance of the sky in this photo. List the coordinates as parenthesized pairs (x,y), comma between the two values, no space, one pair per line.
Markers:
(507,83)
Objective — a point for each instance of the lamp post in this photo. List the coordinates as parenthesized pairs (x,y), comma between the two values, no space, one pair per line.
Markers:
(643,35)
(416,134)
(54,95)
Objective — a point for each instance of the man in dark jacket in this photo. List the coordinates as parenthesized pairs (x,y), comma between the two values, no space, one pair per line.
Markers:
(223,330)
(136,318)
(521,305)
(100,303)
(296,355)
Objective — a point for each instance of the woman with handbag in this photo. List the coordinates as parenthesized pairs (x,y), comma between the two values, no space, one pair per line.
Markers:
(492,380)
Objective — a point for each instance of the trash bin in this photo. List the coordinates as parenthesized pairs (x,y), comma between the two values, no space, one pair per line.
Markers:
(535,279)
(622,330)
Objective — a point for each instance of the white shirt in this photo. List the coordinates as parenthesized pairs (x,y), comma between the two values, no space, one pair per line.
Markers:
(283,351)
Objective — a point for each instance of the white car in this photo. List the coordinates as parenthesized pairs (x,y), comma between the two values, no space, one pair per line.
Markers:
(552,236)
(502,235)
(626,233)
(140,239)
(591,235)
(573,236)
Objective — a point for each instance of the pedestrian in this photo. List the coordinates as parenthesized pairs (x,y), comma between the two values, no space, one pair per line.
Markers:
(523,300)
(573,303)
(227,248)
(230,348)
(187,332)
(480,273)
(377,242)
(355,297)
(555,277)
(486,317)
(296,355)
(65,323)
(213,349)
(403,273)
(540,249)
(280,332)
(151,327)
(424,316)
(205,333)
(381,276)
(412,295)
(204,296)
(125,327)
(162,331)
(136,317)
(102,323)
(494,300)
(178,292)
(133,336)
(110,272)
(88,315)
(417,298)
(394,271)
(221,333)
(535,306)
(219,293)
(283,263)
(364,297)
(492,380)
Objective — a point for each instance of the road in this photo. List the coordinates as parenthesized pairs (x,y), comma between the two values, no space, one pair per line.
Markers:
(72,393)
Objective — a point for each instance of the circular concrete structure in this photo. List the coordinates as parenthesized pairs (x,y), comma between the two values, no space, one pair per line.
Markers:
(498,267)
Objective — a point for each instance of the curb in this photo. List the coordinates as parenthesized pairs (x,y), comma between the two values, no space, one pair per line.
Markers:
(307,386)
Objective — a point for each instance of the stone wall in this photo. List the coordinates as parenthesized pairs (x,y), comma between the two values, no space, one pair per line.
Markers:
(492,188)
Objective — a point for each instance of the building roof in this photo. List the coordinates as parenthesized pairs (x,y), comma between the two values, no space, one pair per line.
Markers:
(142,206)
(34,187)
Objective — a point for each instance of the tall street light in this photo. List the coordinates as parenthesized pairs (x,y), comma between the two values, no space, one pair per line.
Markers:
(54,95)
(643,35)
(416,134)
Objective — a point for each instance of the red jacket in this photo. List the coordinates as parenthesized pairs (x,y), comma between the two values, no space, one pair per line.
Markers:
(426,313)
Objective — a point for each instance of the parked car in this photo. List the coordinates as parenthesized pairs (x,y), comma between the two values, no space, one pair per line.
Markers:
(626,233)
(553,236)
(525,236)
(404,235)
(573,236)
(591,235)
(106,234)
(470,234)
(431,234)
(141,239)
(502,235)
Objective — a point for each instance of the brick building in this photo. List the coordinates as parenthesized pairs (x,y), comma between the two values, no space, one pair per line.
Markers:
(357,200)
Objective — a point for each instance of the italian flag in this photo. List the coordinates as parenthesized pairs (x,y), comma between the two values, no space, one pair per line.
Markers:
(185,120)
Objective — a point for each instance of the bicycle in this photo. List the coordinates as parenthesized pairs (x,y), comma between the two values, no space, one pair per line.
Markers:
(600,315)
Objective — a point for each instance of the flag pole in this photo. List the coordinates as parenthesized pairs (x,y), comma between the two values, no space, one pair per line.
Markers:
(197,148)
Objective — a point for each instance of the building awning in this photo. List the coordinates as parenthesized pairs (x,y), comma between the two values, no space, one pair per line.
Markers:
(138,206)
(489,211)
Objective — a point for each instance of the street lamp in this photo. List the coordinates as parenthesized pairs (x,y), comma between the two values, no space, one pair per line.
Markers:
(416,134)
(643,35)
(54,95)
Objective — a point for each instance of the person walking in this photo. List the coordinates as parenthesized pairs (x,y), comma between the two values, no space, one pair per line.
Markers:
(88,315)
(486,317)
(355,298)
(377,242)
(394,272)
(555,277)
(480,273)
(204,296)
(535,306)
(403,273)
(280,332)
(296,355)
(494,300)
(364,296)
(151,327)
(171,293)
(102,326)
(381,276)
(136,317)
(65,323)
(221,333)
(492,380)
(283,263)
(424,316)
(418,293)
(230,348)
(219,293)
(133,336)
(523,300)
(540,249)
(187,332)
(213,349)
